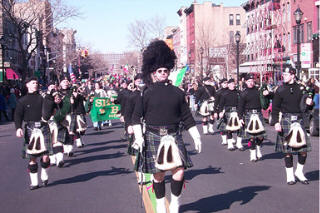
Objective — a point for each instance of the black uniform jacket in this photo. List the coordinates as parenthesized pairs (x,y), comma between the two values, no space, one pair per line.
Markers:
(217,98)
(229,99)
(286,99)
(121,99)
(249,99)
(163,104)
(30,108)
(202,94)
(130,105)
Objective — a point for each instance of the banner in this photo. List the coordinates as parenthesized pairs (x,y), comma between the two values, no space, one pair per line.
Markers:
(180,76)
(103,109)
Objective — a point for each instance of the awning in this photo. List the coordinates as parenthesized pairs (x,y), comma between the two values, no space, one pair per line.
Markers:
(11,74)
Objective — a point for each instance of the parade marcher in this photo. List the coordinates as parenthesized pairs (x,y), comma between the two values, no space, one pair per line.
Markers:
(205,95)
(162,107)
(292,137)
(130,105)
(65,122)
(228,112)
(219,94)
(121,100)
(79,112)
(250,115)
(32,110)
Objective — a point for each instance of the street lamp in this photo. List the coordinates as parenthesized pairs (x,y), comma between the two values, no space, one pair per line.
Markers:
(298,15)
(238,37)
(201,54)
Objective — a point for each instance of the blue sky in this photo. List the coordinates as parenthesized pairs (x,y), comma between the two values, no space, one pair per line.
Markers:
(104,23)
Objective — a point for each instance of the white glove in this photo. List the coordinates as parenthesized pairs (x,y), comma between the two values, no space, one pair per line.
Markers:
(139,141)
(277,127)
(130,130)
(194,133)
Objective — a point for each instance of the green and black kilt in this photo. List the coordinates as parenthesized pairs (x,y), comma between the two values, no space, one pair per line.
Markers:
(64,136)
(73,123)
(244,134)
(285,125)
(131,151)
(44,127)
(146,162)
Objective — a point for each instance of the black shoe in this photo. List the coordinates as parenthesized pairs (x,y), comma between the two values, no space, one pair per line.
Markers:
(241,149)
(231,149)
(45,183)
(34,187)
(304,182)
(96,128)
(82,145)
(291,183)
(60,164)
(99,127)
(70,154)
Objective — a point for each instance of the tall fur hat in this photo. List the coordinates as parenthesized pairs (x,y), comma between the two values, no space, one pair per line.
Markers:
(155,56)
(64,76)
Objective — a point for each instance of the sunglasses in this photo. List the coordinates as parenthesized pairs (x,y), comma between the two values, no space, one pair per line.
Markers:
(162,71)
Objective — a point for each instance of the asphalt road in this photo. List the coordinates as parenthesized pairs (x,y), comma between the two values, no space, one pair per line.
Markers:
(100,178)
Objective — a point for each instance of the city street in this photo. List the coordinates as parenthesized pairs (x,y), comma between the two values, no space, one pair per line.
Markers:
(100,178)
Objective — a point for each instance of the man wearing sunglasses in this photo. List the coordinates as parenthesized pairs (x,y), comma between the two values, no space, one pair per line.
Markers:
(163,107)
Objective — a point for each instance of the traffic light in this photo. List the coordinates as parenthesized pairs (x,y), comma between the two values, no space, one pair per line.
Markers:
(84,53)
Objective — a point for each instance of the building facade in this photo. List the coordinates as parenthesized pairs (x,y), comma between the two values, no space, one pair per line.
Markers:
(210,32)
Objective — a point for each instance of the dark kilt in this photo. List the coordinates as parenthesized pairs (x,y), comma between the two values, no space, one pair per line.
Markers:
(245,135)
(146,163)
(285,125)
(224,121)
(46,134)
(64,136)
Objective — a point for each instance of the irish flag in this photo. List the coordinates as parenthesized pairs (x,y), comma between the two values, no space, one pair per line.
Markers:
(177,76)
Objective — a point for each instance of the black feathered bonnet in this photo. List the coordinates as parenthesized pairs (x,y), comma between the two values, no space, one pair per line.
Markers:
(155,56)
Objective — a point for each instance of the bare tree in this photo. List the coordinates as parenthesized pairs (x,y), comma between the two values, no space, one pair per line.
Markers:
(141,32)
(156,26)
(205,40)
(32,21)
(138,31)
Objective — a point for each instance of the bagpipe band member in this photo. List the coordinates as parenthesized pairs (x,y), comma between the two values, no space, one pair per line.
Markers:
(162,107)
(128,112)
(205,95)
(32,110)
(249,111)
(79,113)
(223,88)
(292,137)
(64,120)
(228,111)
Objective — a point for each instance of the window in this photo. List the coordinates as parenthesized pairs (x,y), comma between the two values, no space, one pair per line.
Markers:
(231,37)
(309,31)
(231,19)
(295,32)
(238,19)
